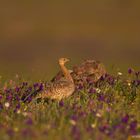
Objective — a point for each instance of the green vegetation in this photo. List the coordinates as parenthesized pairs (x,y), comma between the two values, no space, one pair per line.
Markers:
(108,109)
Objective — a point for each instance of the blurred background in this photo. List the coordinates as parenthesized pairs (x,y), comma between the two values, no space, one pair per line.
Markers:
(34,34)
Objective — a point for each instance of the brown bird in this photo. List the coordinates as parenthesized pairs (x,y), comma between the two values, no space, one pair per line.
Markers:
(62,88)
(89,68)
(94,69)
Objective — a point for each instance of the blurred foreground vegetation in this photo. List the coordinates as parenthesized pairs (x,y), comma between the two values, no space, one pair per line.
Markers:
(108,109)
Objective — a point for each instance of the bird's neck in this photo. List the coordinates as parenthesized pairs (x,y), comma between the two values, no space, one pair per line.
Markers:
(66,72)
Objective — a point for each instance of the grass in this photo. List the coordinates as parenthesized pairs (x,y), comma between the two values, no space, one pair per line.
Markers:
(106,110)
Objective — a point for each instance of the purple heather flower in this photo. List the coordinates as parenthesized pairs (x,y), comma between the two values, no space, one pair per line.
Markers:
(9,97)
(74,117)
(110,79)
(106,129)
(80,87)
(125,119)
(83,114)
(0,97)
(116,126)
(101,97)
(103,128)
(130,71)
(108,100)
(102,78)
(7,90)
(17,89)
(36,85)
(29,99)
(29,89)
(29,121)
(18,106)
(17,98)
(61,103)
(92,90)
(41,87)
(15,110)
(24,84)
(136,82)
(133,126)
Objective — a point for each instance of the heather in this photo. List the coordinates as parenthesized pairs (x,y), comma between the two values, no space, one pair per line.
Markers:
(107,109)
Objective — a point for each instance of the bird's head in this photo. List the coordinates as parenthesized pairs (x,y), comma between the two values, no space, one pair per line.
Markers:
(62,61)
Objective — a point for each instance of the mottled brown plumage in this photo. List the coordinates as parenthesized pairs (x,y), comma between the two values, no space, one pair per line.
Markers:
(62,88)
(89,68)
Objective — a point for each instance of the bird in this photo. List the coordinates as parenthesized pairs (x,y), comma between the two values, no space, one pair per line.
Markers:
(62,88)
(88,68)
(94,69)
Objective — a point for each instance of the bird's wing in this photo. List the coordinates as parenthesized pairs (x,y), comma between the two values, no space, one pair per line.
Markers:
(61,83)
(56,89)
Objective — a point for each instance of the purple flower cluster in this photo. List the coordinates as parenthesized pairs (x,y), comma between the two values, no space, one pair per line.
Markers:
(130,71)
(92,90)
(136,82)
(125,125)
